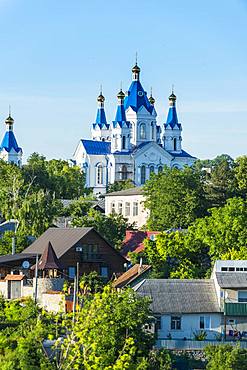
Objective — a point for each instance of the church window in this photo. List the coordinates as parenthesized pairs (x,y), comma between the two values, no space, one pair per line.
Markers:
(100,174)
(103,139)
(116,142)
(124,142)
(143,174)
(160,169)
(143,131)
(113,210)
(151,169)
(175,143)
(152,131)
(127,209)
(124,172)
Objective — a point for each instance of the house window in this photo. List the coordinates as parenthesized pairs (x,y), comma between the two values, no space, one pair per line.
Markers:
(120,208)
(152,131)
(151,169)
(205,322)
(90,252)
(239,269)
(71,271)
(143,131)
(127,209)
(242,296)
(158,323)
(100,174)
(143,174)
(175,322)
(104,272)
(160,169)
(113,209)
(124,142)
(223,268)
(124,172)
(135,209)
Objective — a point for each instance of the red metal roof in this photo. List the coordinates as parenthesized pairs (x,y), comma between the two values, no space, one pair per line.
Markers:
(134,241)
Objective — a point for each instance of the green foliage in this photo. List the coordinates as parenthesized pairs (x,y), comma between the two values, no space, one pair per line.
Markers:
(55,176)
(200,335)
(91,283)
(120,185)
(112,227)
(175,198)
(241,174)
(224,357)
(109,333)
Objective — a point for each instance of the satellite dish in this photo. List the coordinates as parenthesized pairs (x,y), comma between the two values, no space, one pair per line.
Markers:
(25,264)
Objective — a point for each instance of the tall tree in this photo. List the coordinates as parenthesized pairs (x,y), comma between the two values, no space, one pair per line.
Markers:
(241,174)
(175,198)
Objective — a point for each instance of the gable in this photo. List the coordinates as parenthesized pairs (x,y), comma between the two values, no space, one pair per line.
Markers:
(153,152)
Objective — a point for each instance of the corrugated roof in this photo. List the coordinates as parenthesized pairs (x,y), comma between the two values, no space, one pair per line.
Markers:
(62,240)
(137,190)
(97,147)
(231,279)
(180,296)
(130,275)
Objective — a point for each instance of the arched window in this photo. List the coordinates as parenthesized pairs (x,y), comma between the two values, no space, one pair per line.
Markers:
(143,174)
(124,142)
(113,210)
(103,139)
(152,131)
(151,169)
(142,131)
(175,143)
(115,142)
(160,169)
(124,172)
(99,174)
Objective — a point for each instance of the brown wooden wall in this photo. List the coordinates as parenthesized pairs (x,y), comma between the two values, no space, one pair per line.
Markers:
(109,257)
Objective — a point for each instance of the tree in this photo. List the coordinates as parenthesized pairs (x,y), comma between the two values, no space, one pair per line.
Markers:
(120,185)
(109,333)
(55,176)
(226,357)
(175,198)
(221,183)
(224,230)
(241,174)
(112,227)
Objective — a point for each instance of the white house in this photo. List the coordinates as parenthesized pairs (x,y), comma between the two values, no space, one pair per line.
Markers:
(185,308)
(133,145)
(10,152)
(129,203)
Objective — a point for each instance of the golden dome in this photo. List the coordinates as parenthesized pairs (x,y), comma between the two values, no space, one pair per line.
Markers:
(136,69)
(121,94)
(151,100)
(101,98)
(172,97)
(9,120)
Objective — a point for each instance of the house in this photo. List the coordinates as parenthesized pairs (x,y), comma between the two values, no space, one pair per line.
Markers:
(60,252)
(82,245)
(183,307)
(133,145)
(134,241)
(129,203)
(216,308)
(132,276)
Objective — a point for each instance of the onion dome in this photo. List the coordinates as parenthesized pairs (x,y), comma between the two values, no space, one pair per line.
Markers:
(136,69)
(101,98)
(151,100)
(173,97)
(9,120)
(121,95)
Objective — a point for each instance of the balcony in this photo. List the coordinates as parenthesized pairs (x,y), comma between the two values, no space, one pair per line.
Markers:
(235,309)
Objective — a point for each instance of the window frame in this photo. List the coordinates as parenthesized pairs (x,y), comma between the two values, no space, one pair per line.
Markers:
(135,209)
(176,322)
(143,134)
(143,174)
(205,322)
(127,207)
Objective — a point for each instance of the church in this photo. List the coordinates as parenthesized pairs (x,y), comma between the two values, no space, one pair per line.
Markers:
(133,145)
(10,152)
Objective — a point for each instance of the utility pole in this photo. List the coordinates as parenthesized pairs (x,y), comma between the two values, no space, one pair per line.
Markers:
(74,298)
(36,279)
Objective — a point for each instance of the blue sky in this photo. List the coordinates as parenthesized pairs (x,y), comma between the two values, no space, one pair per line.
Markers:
(56,53)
